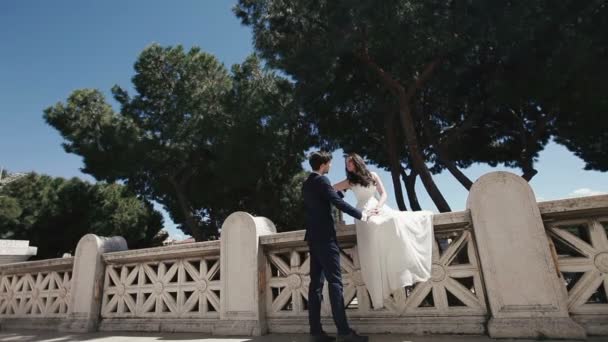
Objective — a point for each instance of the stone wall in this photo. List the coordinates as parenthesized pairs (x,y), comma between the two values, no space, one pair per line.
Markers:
(507,267)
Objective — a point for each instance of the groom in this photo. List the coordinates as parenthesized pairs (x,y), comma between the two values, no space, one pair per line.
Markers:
(318,196)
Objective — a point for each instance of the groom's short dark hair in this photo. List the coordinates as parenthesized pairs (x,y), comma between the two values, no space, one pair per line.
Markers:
(316,159)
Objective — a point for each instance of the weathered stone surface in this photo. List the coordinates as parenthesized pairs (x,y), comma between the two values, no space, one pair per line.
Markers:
(524,290)
(26,336)
(87,283)
(537,328)
(36,294)
(38,265)
(583,262)
(242,258)
(163,253)
(574,207)
(442,222)
(198,325)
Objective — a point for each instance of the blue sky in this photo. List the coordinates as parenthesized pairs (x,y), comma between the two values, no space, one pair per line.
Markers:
(50,48)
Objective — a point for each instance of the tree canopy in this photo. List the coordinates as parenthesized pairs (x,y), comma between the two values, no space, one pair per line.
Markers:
(426,86)
(199,139)
(54,213)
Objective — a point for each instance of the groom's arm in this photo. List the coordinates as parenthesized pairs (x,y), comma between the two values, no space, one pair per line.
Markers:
(330,194)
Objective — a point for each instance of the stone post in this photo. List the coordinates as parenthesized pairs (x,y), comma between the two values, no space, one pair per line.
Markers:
(526,296)
(242,269)
(87,281)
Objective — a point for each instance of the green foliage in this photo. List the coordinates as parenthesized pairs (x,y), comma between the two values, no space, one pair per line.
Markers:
(54,213)
(200,140)
(491,81)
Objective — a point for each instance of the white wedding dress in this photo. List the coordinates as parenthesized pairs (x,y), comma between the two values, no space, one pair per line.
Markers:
(394,246)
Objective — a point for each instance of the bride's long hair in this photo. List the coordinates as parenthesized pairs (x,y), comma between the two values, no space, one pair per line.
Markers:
(361,174)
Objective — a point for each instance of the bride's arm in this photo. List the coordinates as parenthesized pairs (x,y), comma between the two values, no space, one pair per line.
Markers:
(381,191)
(343,185)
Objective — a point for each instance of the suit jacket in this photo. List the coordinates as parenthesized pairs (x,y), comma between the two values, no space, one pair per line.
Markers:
(319,195)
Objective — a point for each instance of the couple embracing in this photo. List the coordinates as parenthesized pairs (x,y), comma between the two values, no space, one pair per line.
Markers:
(394,247)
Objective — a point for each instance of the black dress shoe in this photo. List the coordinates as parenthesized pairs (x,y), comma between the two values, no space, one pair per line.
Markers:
(352,337)
(322,337)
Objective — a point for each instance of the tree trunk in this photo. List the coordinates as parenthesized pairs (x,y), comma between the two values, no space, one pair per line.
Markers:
(453,169)
(528,174)
(417,159)
(442,154)
(393,156)
(410,187)
(186,209)
(407,122)
(529,141)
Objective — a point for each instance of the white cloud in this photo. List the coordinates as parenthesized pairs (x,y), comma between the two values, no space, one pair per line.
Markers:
(585,192)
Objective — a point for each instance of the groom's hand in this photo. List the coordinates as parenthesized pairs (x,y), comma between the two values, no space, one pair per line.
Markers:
(369,213)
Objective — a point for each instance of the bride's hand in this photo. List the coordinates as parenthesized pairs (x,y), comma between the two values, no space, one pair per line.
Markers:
(374,211)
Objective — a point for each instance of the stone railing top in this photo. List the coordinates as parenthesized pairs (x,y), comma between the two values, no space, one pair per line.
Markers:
(165,252)
(443,222)
(574,207)
(38,265)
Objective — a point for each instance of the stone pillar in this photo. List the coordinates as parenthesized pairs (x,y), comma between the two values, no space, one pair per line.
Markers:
(242,269)
(526,296)
(87,281)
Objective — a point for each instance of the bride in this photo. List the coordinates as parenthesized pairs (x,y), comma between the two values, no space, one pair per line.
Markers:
(394,246)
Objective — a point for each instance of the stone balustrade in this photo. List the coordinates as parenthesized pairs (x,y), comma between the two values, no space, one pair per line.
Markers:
(507,266)
(578,240)
(453,301)
(37,291)
(155,288)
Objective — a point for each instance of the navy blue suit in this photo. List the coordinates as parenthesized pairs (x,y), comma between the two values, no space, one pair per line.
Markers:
(319,195)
